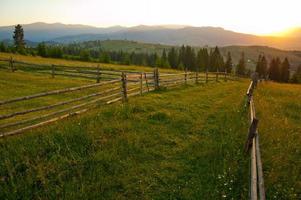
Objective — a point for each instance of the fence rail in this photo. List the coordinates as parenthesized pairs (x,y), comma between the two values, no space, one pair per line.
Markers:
(257,189)
(117,86)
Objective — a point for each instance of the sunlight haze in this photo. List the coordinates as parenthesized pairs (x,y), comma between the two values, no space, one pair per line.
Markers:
(255,17)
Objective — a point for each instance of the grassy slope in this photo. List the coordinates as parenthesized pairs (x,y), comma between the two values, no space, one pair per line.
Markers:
(251,52)
(278,108)
(21,83)
(49,61)
(179,144)
(129,46)
(175,144)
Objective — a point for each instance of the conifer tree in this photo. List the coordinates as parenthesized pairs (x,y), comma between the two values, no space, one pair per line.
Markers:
(274,70)
(42,49)
(216,60)
(164,60)
(297,75)
(241,67)
(259,66)
(19,38)
(264,67)
(285,74)
(2,47)
(228,64)
(172,58)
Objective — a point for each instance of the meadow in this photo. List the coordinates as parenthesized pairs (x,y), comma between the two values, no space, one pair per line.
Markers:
(63,62)
(181,143)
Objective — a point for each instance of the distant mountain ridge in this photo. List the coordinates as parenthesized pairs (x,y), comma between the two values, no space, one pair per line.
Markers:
(163,34)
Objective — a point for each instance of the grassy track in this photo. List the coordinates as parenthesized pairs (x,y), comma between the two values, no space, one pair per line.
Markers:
(180,144)
(278,108)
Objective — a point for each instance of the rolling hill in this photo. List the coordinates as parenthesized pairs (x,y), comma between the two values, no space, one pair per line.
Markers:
(251,52)
(165,34)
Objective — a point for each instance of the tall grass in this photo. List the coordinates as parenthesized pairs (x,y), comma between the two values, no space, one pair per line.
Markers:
(179,144)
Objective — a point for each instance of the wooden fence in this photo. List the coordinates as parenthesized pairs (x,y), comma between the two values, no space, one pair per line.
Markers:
(93,73)
(125,84)
(252,145)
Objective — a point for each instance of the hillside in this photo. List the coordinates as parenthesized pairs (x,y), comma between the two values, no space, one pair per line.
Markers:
(197,36)
(185,143)
(168,35)
(37,32)
(251,52)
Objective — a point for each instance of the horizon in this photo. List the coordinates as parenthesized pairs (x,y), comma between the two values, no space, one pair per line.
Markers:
(236,16)
(280,33)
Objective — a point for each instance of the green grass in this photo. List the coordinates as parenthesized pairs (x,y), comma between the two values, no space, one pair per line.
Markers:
(62,62)
(185,143)
(179,144)
(278,108)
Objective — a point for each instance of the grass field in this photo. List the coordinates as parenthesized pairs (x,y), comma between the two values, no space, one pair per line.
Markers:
(185,143)
(278,108)
(48,61)
(168,144)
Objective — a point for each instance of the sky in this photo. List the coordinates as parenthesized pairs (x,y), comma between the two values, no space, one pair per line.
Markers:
(259,17)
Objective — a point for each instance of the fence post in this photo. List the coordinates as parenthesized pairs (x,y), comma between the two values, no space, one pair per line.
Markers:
(141,83)
(98,74)
(156,78)
(206,75)
(145,77)
(52,71)
(185,76)
(196,77)
(216,75)
(124,87)
(11,63)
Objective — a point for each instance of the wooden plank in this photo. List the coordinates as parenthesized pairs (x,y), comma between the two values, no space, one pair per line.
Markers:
(56,105)
(18,131)
(261,188)
(53,114)
(253,172)
(124,86)
(54,92)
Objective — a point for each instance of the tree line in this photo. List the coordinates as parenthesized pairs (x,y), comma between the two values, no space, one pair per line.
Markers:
(276,70)
(184,57)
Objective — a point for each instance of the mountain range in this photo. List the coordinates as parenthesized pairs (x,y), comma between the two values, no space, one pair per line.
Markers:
(163,34)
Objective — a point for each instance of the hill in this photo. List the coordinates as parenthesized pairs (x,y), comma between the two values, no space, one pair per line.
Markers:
(196,36)
(37,32)
(167,35)
(251,52)
(185,143)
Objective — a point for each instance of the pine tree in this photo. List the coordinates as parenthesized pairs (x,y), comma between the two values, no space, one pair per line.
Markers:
(228,64)
(216,60)
(274,71)
(206,58)
(264,67)
(42,49)
(297,75)
(181,58)
(200,61)
(172,58)
(285,74)
(164,60)
(241,67)
(2,47)
(259,66)
(19,38)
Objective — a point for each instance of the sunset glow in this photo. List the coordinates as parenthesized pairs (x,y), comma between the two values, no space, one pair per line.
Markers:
(255,17)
